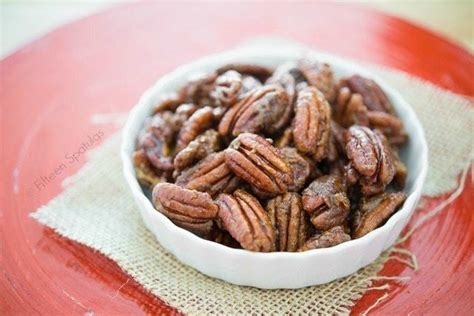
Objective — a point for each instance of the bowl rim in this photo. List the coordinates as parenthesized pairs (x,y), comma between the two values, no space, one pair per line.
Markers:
(214,60)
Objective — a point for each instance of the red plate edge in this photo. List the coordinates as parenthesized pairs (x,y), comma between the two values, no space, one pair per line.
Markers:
(46,273)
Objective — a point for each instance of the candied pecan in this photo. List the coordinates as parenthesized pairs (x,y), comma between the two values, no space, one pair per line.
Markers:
(184,111)
(330,238)
(210,175)
(264,110)
(289,220)
(227,88)
(374,211)
(168,102)
(373,96)
(257,71)
(256,161)
(244,218)
(189,209)
(336,149)
(302,167)
(390,125)
(285,76)
(291,68)
(159,136)
(204,145)
(249,83)
(350,109)
(311,125)
(223,237)
(157,141)
(321,77)
(325,200)
(146,174)
(201,229)
(371,157)
(197,90)
(400,171)
(286,139)
(198,122)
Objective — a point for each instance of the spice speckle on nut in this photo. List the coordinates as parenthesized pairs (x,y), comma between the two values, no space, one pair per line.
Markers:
(286,159)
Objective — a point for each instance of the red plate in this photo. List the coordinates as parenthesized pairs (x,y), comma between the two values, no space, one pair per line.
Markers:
(51,87)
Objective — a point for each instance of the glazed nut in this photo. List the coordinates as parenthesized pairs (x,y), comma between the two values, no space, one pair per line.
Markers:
(311,126)
(374,211)
(253,159)
(257,71)
(146,174)
(168,102)
(244,218)
(284,77)
(330,238)
(198,89)
(189,209)
(321,77)
(350,109)
(204,145)
(289,220)
(263,110)
(326,202)
(210,175)
(390,125)
(373,96)
(197,123)
(227,88)
(302,167)
(371,157)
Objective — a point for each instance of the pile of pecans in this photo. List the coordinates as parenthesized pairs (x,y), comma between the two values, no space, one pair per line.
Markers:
(283,160)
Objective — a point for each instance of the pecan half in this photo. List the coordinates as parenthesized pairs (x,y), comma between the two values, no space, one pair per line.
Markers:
(157,141)
(321,77)
(257,162)
(371,157)
(400,171)
(210,175)
(289,220)
(311,125)
(325,200)
(197,123)
(302,167)
(245,219)
(189,209)
(227,88)
(198,89)
(168,102)
(223,237)
(374,211)
(373,96)
(257,71)
(204,145)
(390,125)
(249,83)
(146,174)
(350,109)
(263,110)
(330,238)
(285,76)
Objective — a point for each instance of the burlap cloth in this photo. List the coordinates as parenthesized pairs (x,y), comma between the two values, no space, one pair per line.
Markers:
(96,209)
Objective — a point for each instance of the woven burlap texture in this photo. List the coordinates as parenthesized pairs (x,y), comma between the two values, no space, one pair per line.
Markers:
(97,209)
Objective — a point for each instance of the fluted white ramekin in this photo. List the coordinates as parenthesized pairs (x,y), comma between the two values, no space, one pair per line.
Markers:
(278,269)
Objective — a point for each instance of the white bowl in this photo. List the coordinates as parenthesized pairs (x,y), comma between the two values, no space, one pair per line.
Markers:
(277,269)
